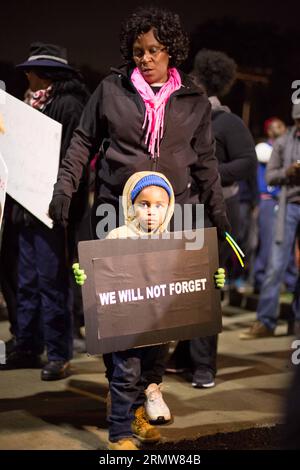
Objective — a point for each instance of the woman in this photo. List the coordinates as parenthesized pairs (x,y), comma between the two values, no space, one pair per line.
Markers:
(43,309)
(146,115)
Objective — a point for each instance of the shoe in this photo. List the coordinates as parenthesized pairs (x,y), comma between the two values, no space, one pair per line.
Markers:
(257,330)
(55,370)
(155,406)
(203,378)
(142,429)
(18,359)
(123,444)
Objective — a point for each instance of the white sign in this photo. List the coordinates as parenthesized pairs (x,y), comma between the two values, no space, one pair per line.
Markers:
(30,146)
(3,186)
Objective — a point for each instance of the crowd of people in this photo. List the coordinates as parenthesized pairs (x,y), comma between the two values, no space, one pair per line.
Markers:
(166,138)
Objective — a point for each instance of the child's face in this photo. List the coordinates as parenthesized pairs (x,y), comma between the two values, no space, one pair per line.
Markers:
(150,207)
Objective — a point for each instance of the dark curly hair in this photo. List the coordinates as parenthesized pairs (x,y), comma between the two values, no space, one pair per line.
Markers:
(215,71)
(167,30)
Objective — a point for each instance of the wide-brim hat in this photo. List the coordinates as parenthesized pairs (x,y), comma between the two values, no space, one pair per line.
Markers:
(46,55)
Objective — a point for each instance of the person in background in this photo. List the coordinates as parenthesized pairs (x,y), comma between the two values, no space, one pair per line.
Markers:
(283,169)
(44,315)
(273,128)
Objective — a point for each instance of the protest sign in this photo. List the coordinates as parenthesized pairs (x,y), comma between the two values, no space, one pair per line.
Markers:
(143,291)
(30,146)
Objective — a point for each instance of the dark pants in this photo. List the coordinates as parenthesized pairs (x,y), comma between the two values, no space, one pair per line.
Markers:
(9,271)
(43,307)
(197,353)
(153,364)
(129,373)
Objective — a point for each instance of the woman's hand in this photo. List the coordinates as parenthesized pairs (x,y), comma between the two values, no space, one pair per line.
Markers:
(79,274)
(220,278)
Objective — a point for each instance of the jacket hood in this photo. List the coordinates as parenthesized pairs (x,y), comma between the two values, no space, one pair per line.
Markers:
(128,206)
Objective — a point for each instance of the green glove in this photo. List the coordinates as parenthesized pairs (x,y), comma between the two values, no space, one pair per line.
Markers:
(79,274)
(220,278)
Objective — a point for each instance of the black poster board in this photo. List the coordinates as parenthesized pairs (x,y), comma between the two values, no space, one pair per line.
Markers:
(147,291)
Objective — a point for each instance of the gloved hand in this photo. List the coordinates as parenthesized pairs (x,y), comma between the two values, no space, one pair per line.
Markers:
(79,274)
(222,224)
(220,278)
(59,209)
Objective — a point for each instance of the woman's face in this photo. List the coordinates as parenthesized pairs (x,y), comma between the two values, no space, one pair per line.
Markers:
(35,82)
(151,57)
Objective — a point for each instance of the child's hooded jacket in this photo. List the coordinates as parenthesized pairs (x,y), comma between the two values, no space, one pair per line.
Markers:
(131,229)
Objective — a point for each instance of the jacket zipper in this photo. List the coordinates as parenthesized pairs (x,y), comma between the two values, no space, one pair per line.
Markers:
(154,161)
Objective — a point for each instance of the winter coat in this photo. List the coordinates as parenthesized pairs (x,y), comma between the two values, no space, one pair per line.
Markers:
(112,122)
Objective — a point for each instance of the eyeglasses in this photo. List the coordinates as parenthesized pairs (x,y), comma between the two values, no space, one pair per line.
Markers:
(154,52)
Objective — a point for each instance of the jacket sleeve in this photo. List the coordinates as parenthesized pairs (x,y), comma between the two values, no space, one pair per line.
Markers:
(69,117)
(205,171)
(85,142)
(239,147)
(276,172)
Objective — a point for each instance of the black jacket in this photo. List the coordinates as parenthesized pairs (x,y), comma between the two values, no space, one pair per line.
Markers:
(112,123)
(67,109)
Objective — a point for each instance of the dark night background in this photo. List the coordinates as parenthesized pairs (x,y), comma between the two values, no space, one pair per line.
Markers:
(262,36)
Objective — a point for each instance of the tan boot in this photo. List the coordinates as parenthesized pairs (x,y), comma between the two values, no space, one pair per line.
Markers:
(142,429)
(257,330)
(123,444)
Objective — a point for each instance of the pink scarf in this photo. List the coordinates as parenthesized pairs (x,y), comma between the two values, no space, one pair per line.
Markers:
(39,99)
(155,106)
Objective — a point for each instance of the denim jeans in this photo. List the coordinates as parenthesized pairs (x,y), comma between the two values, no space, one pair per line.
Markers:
(130,376)
(267,219)
(267,311)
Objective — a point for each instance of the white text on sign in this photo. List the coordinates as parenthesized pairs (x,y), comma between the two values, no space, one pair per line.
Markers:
(152,292)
